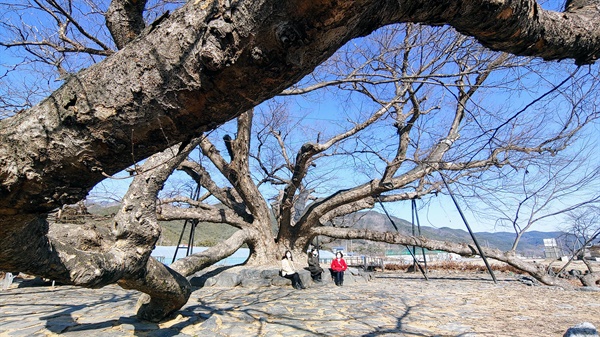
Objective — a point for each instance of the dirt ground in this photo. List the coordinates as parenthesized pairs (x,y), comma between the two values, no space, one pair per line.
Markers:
(450,303)
(509,308)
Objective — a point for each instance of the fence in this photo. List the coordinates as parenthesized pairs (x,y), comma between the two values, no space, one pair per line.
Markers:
(365,262)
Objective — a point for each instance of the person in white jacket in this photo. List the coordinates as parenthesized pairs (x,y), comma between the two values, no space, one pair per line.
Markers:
(288,270)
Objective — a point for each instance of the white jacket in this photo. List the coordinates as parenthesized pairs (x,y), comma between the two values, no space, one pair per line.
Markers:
(287,267)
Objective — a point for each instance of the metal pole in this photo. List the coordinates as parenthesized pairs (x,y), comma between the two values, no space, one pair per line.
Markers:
(179,242)
(194,195)
(489,268)
(194,225)
(414,204)
(190,249)
(396,227)
(190,239)
(412,225)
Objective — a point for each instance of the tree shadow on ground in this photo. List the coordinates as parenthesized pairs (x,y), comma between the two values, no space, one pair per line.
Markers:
(60,309)
(200,281)
(249,308)
(64,318)
(231,311)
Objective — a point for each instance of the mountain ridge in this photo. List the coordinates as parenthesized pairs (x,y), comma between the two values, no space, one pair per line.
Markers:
(530,244)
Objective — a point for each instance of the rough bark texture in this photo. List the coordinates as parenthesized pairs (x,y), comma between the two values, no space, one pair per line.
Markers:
(198,67)
(125,20)
(171,80)
(165,290)
(123,257)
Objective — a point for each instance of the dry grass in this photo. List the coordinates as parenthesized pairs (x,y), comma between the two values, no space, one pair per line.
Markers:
(456,266)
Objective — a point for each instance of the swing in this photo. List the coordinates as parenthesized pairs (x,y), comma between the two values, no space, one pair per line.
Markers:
(194,223)
(412,253)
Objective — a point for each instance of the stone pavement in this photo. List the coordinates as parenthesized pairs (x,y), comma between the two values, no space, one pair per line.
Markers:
(392,304)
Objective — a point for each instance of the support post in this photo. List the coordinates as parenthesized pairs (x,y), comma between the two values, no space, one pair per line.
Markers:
(190,248)
(489,268)
(416,216)
(179,241)
(396,227)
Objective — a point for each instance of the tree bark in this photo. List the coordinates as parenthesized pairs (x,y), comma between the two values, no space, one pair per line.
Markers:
(125,20)
(197,68)
(165,290)
(124,259)
(536,270)
(196,262)
(171,80)
(591,279)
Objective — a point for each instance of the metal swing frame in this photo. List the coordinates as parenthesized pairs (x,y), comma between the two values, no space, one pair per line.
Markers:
(412,253)
(415,215)
(193,224)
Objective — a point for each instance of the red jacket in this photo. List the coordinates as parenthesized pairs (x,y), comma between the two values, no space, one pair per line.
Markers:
(338,265)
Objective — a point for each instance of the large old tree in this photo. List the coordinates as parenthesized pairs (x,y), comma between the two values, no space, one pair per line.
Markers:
(185,73)
(410,112)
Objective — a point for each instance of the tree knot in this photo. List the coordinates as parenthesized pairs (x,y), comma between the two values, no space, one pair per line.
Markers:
(220,46)
(290,35)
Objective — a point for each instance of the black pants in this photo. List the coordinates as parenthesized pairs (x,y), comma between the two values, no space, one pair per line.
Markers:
(296,281)
(315,273)
(338,277)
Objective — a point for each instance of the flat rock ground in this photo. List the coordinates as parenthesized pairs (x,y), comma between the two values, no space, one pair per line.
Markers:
(392,304)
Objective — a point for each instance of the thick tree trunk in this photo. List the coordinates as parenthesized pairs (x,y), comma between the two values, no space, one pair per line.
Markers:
(119,254)
(201,66)
(165,290)
(263,250)
(171,80)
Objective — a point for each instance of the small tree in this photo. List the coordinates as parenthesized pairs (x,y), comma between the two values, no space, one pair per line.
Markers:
(539,192)
(583,231)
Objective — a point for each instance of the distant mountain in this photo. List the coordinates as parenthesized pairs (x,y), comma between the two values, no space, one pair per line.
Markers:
(531,244)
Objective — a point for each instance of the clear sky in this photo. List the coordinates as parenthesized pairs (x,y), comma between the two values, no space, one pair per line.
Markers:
(327,112)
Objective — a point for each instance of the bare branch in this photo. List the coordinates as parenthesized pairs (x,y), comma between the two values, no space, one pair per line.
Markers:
(125,21)
(195,262)
(536,270)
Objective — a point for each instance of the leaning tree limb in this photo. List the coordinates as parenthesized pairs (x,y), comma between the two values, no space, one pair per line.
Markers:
(196,262)
(171,79)
(127,261)
(534,269)
(200,66)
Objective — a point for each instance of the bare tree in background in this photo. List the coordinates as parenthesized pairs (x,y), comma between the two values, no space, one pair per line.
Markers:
(540,191)
(146,87)
(549,188)
(582,232)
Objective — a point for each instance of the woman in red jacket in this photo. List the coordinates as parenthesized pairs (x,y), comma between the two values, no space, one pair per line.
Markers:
(338,266)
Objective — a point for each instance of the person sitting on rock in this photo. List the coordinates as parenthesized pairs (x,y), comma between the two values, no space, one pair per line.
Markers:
(338,266)
(313,265)
(289,271)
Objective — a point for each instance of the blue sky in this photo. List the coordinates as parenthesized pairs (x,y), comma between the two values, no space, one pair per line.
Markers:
(325,113)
